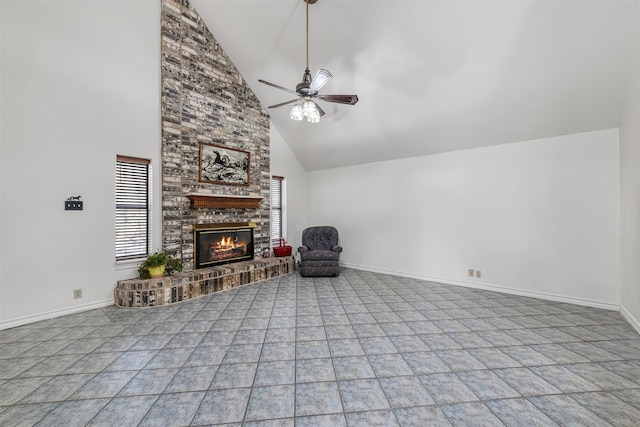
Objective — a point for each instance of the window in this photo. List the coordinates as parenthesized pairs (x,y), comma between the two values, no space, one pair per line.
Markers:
(132,208)
(277,209)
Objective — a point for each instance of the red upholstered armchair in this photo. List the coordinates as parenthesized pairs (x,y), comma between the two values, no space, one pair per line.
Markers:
(320,251)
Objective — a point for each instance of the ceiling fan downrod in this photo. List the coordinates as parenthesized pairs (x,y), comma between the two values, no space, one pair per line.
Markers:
(306,77)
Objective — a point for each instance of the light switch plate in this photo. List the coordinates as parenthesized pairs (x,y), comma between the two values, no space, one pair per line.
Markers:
(72,205)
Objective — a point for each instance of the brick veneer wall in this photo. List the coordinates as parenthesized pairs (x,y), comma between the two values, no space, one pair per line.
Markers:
(205,99)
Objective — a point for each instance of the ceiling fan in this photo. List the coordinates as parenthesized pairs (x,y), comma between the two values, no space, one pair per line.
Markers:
(307,90)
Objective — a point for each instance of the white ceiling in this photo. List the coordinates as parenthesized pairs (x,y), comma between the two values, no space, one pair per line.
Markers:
(433,76)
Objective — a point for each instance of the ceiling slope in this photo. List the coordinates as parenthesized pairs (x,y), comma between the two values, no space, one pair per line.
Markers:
(433,76)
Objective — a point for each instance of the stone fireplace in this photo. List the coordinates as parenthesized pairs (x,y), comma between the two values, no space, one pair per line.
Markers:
(205,100)
(224,243)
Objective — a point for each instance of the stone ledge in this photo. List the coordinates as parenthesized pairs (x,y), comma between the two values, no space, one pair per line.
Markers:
(196,283)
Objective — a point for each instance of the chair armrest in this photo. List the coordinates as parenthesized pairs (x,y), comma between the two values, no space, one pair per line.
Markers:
(337,248)
(303,249)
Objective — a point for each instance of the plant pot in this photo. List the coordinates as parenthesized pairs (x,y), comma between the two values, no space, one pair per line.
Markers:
(156,272)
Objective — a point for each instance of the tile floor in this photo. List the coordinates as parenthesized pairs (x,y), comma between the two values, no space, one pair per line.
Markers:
(362,349)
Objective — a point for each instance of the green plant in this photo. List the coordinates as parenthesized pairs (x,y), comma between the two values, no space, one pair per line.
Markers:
(143,272)
(157,259)
(173,264)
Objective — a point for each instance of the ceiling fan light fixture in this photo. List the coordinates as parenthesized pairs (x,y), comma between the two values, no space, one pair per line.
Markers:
(296,112)
(314,118)
(309,109)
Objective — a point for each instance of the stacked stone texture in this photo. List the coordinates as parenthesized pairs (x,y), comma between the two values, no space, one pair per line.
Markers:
(205,100)
(196,283)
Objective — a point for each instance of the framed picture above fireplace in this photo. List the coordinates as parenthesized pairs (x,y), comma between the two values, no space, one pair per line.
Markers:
(223,165)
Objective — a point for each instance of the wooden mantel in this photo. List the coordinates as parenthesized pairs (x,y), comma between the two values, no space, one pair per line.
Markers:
(224,202)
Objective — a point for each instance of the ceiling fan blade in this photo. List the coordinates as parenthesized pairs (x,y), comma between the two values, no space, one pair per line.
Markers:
(320,110)
(321,78)
(282,103)
(278,86)
(340,99)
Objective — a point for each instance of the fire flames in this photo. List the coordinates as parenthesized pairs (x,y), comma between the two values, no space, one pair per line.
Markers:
(226,245)
(219,245)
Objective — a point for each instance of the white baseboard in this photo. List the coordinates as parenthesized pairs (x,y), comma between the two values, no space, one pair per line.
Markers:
(495,288)
(19,321)
(629,318)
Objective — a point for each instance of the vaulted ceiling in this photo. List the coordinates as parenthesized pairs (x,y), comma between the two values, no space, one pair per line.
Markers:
(433,76)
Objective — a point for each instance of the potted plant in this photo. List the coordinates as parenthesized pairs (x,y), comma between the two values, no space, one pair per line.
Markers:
(173,264)
(157,264)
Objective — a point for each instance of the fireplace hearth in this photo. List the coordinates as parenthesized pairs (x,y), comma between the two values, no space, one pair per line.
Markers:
(223,243)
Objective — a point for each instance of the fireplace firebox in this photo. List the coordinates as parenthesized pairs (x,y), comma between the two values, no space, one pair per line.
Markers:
(216,244)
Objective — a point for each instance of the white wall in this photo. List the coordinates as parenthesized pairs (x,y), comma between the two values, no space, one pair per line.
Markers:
(536,217)
(80,84)
(630,199)
(285,163)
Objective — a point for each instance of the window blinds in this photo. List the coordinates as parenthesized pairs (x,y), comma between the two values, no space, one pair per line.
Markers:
(132,207)
(276,209)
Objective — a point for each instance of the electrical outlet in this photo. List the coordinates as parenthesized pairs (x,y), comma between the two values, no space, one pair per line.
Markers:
(77,293)
(478,274)
(472,272)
